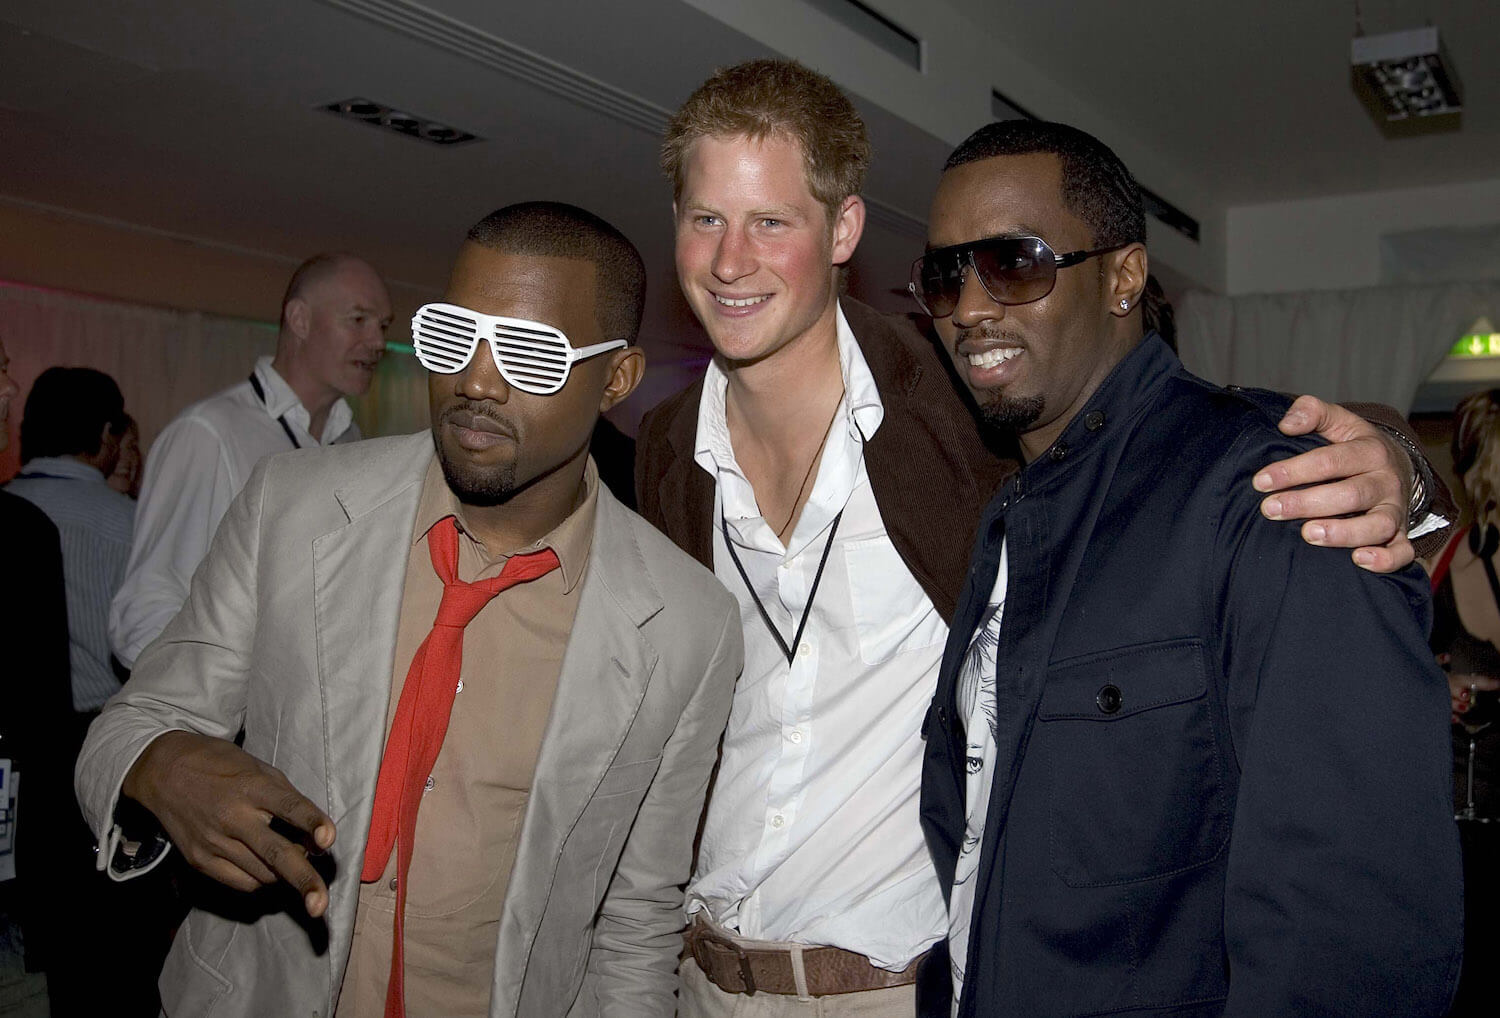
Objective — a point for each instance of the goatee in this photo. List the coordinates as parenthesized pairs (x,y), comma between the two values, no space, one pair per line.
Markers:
(1012,414)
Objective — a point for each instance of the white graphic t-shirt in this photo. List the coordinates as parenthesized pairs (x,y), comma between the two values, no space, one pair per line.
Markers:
(976,707)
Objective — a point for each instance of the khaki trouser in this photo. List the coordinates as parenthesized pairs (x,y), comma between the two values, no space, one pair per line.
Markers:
(699,998)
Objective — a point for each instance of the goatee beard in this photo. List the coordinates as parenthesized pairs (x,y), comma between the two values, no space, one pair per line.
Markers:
(475,488)
(1012,414)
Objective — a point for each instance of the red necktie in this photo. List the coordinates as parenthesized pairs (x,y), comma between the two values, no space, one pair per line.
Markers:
(421,721)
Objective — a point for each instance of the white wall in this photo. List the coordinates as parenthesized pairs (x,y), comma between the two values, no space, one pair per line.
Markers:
(1334,243)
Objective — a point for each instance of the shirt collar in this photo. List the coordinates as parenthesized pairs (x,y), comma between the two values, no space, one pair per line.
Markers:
(712,450)
(281,401)
(63,467)
(570,539)
(841,467)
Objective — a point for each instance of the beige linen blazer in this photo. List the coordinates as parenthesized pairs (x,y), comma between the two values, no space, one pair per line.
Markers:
(289,631)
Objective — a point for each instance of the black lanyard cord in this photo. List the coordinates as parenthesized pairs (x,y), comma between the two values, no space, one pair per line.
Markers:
(260,394)
(811,594)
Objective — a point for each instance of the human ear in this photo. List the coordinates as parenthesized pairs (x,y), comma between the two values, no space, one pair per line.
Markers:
(298,317)
(626,369)
(848,227)
(1127,279)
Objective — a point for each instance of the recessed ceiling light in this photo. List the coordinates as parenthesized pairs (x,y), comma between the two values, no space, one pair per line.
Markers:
(399,121)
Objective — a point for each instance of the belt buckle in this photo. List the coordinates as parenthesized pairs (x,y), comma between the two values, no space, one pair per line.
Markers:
(746,976)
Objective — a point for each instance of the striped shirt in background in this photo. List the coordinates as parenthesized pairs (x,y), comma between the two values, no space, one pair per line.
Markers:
(94,523)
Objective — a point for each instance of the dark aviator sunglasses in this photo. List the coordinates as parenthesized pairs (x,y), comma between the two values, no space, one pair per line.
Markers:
(1012,270)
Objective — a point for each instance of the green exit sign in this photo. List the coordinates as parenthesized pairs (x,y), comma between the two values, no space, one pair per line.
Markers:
(1477,344)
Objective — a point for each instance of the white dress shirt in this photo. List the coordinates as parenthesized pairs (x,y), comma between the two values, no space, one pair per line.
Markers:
(93,523)
(812,834)
(196,466)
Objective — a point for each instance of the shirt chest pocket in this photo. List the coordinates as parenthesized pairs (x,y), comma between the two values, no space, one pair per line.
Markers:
(1135,766)
(892,614)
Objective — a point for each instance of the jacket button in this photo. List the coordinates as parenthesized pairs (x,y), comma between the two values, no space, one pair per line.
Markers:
(1094,420)
(1059,452)
(1109,699)
(1234,388)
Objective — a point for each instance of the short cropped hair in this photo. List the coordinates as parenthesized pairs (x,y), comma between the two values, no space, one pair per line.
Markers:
(557,230)
(1096,186)
(761,99)
(311,272)
(67,411)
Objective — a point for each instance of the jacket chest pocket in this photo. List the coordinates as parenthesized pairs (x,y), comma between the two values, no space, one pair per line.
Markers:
(1136,772)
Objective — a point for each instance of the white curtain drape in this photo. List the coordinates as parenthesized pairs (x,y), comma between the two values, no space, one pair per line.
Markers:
(1374,344)
(164,360)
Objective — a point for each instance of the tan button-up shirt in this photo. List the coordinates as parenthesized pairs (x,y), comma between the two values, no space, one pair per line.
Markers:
(469,823)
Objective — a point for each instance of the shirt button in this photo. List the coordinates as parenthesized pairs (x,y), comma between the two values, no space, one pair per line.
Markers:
(778,821)
(1109,699)
(460,685)
(392,884)
(430,784)
(795,735)
(804,649)
(1094,420)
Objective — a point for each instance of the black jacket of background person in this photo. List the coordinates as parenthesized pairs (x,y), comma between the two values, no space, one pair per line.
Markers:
(36,686)
(1262,825)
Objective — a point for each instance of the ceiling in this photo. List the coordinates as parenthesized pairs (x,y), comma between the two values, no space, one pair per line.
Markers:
(201,120)
(1255,98)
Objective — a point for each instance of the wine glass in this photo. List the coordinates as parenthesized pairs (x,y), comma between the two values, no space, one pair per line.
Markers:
(1484,710)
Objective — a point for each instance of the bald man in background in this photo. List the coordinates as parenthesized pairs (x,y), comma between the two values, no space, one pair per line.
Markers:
(333,321)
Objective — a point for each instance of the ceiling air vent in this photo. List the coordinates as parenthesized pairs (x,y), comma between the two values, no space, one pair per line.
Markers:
(378,115)
(875,27)
(1003,108)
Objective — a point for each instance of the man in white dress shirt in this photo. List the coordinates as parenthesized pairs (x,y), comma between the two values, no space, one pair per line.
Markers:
(830,475)
(333,322)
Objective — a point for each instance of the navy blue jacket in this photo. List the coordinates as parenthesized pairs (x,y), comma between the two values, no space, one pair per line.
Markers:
(1258,821)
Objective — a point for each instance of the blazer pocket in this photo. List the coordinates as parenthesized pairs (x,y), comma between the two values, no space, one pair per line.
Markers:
(891,612)
(610,815)
(627,777)
(1137,784)
(191,980)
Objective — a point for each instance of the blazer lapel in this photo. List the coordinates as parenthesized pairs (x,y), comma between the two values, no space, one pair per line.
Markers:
(928,465)
(359,570)
(605,672)
(685,491)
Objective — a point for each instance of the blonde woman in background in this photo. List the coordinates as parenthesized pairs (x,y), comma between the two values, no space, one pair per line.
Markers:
(1466,640)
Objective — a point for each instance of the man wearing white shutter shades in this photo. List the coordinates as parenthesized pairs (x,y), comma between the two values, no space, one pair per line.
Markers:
(455,649)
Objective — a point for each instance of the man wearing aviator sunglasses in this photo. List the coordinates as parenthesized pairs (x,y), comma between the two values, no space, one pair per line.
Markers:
(1133,791)
(457,650)
(1012,270)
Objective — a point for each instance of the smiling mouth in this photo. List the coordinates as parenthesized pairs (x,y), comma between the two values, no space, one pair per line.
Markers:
(742,302)
(991,358)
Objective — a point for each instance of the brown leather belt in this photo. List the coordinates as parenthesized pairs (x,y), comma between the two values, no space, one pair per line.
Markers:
(735,968)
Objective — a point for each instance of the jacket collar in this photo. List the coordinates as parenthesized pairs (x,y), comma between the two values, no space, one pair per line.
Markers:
(1120,398)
